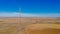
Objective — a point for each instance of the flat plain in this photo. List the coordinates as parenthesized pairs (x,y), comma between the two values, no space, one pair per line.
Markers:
(17,25)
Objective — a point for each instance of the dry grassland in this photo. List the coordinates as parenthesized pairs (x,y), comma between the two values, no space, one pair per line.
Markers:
(18,25)
(28,21)
(8,26)
(43,29)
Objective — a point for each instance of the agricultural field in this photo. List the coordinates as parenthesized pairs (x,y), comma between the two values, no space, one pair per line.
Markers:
(18,25)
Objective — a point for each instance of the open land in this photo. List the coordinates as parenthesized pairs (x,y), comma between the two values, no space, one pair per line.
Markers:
(17,25)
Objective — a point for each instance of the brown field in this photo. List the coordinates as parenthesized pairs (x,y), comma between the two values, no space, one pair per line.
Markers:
(18,25)
(43,29)
(8,26)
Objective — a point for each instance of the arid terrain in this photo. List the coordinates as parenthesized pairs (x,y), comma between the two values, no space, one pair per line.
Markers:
(17,25)
(8,26)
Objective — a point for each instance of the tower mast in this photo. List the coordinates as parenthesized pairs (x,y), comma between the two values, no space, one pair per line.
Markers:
(19,21)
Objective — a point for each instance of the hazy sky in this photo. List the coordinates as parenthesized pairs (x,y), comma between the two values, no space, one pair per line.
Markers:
(30,8)
(9,8)
(40,8)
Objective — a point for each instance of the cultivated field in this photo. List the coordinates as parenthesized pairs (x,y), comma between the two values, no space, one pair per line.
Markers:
(18,25)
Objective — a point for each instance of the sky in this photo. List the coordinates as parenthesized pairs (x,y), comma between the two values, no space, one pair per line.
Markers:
(9,8)
(30,8)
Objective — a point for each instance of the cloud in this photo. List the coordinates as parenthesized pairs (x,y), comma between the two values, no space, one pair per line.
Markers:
(7,14)
(28,15)
(16,14)
(40,15)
